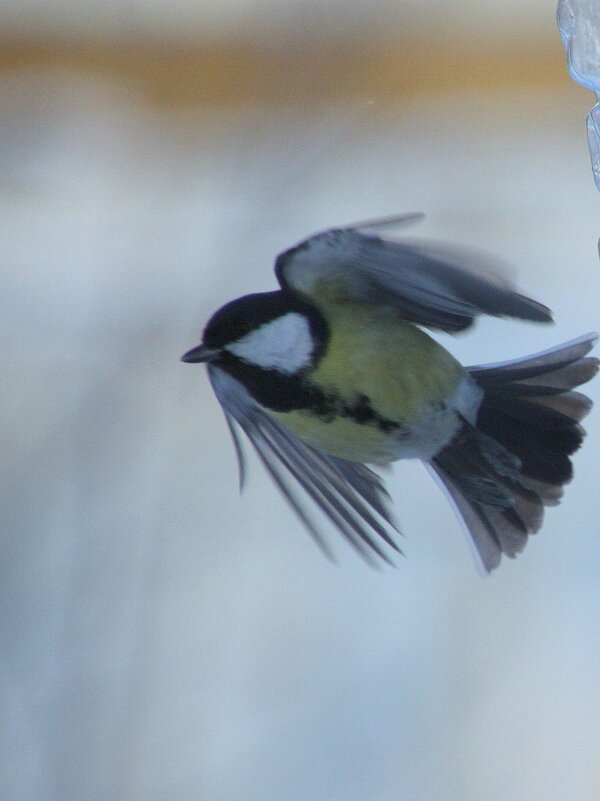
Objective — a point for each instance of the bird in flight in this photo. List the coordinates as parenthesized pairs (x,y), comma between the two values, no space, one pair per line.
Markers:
(333,372)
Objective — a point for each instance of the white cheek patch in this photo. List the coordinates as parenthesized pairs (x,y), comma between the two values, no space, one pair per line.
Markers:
(284,344)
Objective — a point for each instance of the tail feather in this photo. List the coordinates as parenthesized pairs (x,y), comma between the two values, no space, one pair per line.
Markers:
(572,404)
(542,438)
(501,472)
(546,363)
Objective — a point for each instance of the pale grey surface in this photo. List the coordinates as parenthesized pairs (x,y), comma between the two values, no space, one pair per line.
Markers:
(180,20)
(165,639)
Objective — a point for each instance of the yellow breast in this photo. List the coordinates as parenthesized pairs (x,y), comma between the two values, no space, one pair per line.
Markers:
(373,354)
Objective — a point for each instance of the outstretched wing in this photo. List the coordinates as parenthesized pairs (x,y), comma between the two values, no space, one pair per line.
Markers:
(352,496)
(430,284)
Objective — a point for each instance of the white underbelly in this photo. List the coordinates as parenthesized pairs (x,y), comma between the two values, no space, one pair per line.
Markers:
(439,423)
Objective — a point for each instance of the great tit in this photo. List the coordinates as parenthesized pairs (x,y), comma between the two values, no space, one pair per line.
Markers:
(332,371)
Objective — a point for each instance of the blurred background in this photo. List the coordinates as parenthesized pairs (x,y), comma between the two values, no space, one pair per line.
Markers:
(164,638)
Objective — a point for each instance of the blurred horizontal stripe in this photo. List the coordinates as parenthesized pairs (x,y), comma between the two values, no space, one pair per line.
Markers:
(296,70)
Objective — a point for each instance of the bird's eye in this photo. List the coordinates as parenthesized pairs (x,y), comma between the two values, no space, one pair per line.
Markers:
(223,329)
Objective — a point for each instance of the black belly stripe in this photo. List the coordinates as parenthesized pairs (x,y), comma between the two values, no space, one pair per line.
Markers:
(363,413)
(287,393)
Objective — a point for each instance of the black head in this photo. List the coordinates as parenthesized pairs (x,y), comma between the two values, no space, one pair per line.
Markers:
(265,330)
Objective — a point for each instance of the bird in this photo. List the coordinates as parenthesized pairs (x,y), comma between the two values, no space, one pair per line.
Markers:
(333,375)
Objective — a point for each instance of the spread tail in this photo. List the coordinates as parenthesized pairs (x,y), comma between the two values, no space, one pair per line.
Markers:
(501,472)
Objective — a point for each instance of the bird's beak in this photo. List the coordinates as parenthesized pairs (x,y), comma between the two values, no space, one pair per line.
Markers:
(200,354)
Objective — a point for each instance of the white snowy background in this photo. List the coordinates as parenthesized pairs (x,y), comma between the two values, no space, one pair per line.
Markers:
(163,638)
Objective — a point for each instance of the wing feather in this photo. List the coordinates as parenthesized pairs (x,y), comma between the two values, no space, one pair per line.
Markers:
(350,495)
(434,285)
